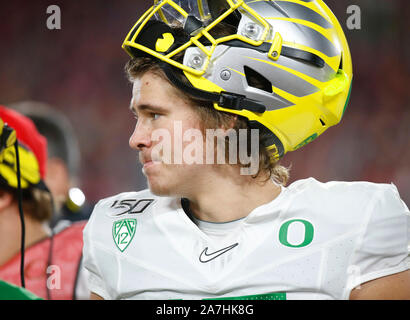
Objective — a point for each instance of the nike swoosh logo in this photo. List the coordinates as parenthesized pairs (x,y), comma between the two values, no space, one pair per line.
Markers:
(206,257)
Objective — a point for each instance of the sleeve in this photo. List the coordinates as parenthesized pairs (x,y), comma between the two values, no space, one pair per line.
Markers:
(81,290)
(383,247)
(95,281)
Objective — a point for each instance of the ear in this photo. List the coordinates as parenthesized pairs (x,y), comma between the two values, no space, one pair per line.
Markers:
(57,177)
(6,200)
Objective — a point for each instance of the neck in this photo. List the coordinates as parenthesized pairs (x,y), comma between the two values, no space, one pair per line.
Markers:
(10,234)
(223,198)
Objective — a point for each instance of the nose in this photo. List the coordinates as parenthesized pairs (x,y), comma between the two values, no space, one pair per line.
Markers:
(140,138)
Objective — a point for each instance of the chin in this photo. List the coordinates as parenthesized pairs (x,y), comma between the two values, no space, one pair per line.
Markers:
(164,181)
(159,190)
(170,181)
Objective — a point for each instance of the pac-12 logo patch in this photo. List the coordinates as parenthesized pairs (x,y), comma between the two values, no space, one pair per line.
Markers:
(123,232)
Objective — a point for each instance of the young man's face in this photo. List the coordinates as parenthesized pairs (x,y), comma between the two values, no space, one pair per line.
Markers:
(162,120)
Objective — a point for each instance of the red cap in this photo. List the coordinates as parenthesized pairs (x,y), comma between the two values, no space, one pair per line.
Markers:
(27,135)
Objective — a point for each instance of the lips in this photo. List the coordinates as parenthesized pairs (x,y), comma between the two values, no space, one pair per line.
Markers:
(148,162)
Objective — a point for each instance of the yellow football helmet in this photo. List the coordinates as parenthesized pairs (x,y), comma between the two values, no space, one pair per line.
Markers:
(287,67)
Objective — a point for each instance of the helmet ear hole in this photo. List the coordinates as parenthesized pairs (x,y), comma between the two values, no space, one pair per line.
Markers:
(256,80)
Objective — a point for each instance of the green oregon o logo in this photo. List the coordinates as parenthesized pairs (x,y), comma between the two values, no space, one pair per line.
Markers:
(283,233)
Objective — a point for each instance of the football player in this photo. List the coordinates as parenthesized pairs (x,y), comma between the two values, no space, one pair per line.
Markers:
(217,71)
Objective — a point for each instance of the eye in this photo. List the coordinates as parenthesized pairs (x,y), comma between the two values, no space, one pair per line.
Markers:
(155,116)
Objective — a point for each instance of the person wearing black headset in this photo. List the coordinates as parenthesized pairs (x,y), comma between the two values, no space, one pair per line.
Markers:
(63,163)
(52,263)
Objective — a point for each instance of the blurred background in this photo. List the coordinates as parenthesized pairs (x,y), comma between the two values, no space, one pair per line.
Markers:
(79,71)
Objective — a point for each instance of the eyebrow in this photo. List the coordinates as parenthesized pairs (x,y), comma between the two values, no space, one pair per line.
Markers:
(147,107)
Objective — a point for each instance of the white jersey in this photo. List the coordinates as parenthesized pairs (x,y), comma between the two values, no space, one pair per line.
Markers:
(314,241)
